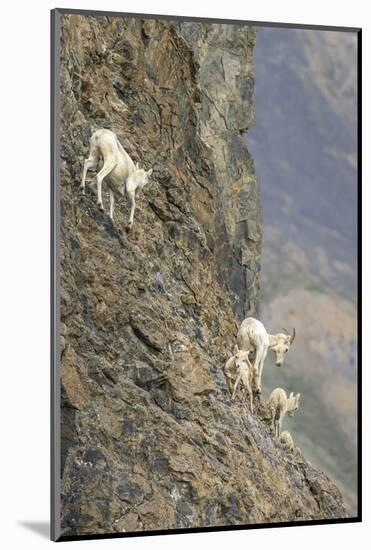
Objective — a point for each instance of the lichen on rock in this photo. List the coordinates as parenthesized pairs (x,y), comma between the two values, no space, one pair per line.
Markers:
(150,437)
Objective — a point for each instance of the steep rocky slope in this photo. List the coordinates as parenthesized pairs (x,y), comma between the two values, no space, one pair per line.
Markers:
(150,437)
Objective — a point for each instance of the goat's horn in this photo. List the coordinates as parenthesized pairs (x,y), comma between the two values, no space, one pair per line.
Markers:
(293,335)
(285,330)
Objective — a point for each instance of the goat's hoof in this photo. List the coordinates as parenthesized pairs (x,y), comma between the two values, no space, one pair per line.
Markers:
(100,206)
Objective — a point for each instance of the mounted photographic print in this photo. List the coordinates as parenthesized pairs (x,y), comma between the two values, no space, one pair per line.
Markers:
(205,190)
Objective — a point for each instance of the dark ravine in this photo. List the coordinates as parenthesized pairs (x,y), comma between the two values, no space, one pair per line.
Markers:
(150,437)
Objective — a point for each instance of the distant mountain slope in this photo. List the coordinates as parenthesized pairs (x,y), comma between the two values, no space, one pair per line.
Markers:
(304,147)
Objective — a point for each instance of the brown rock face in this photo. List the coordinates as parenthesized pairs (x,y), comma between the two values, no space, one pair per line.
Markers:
(150,437)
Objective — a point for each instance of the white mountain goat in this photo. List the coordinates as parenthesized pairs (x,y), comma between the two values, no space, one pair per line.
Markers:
(230,367)
(287,441)
(118,169)
(252,334)
(244,374)
(279,405)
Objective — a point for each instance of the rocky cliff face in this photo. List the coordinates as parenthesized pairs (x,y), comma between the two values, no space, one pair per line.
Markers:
(150,437)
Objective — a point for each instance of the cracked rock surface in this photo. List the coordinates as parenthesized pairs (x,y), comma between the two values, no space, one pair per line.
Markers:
(150,437)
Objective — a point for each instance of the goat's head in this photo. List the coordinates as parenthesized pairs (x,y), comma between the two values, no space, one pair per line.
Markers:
(141,176)
(282,345)
(241,356)
(293,403)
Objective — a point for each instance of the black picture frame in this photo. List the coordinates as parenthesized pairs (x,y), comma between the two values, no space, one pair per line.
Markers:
(56,15)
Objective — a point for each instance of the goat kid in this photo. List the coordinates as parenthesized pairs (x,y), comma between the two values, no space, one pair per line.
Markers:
(244,374)
(279,405)
(230,367)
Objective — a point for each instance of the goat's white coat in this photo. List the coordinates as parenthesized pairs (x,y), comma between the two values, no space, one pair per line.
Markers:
(244,374)
(279,405)
(118,169)
(239,365)
(252,334)
(230,367)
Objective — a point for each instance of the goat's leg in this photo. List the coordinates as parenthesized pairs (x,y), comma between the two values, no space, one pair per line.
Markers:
(260,372)
(106,170)
(229,383)
(111,203)
(273,425)
(251,398)
(249,389)
(256,369)
(131,197)
(228,367)
(236,385)
(279,427)
(88,163)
